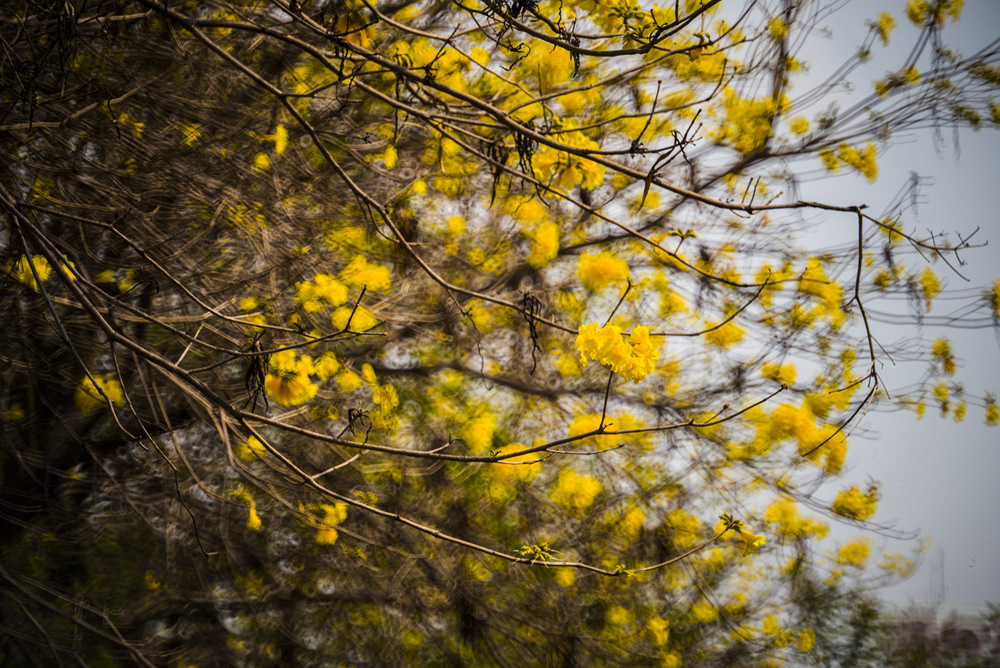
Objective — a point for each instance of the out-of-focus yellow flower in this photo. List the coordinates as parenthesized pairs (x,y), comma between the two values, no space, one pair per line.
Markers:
(854,553)
(361,321)
(323,290)
(725,335)
(250,449)
(360,273)
(806,640)
(930,286)
(23,270)
(855,504)
(573,491)
(597,271)
(14,413)
(478,432)
(241,494)
(349,381)
(87,397)
(333,515)
(567,170)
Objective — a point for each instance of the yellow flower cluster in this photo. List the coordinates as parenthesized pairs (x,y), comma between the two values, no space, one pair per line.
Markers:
(597,271)
(333,515)
(685,529)
(360,273)
(748,122)
(311,295)
(883,25)
(544,238)
(567,170)
(633,361)
(87,397)
(289,383)
(918,11)
(22,270)
(724,336)
(361,321)
(250,449)
(855,504)
(992,412)
(854,554)
(815,283)
(863,160)
(751,541)
(785,514)
(930,286)
(799,125)
(386,399)
(573,491)
(784,373)
(478,432)
(992,297)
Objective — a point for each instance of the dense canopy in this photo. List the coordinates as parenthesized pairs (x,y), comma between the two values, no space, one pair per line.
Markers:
(469,331)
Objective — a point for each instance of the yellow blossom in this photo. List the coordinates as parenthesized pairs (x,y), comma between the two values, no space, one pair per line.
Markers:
(87,397)
(799,125)
(854,553)
(883,26)
(929,286)
(323,290)
(785,514)
(348,381)
(573,491)
(250,449)
(806,640)
(261,162)
(241,494)
(992,412)
(725,335)
(565,577)
(784,373)
(22,270)
(544,243)
(855,504)
(633,360)
(566,170)
(751,541)
(333,515)
(478,432)
(326,366)
(361,321)
(597,271)
(289,383)
(359,273)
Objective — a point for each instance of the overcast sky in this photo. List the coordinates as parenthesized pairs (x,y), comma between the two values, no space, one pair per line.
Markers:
(938,476)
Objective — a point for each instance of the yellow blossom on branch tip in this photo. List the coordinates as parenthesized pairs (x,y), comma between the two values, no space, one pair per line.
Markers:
(633,360)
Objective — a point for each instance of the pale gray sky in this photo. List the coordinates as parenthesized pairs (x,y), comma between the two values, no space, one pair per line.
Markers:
(938,476)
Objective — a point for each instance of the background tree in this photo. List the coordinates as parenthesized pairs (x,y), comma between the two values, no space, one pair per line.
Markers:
(411,333)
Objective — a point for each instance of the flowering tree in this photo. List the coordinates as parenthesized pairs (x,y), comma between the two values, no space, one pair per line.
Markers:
(412,332)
